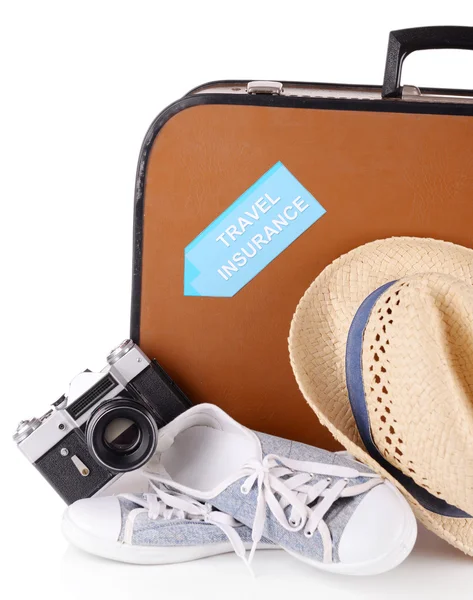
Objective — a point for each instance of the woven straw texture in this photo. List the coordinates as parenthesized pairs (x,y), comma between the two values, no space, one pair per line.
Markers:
(417,365)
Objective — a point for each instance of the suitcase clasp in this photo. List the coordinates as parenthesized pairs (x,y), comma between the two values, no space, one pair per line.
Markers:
(274,88)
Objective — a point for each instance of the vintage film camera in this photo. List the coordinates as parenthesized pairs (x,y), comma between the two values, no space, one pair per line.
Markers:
(106,425)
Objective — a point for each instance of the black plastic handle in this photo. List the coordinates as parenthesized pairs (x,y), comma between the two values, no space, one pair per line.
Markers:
(404,41)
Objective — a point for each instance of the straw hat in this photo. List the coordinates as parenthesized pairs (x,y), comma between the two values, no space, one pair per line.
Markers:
(382,348)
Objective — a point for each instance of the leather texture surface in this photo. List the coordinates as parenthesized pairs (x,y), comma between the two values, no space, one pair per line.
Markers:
(376,174)
(64,476)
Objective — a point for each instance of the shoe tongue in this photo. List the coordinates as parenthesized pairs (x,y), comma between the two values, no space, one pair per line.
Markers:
(165,441)
(127,505)
(155,467)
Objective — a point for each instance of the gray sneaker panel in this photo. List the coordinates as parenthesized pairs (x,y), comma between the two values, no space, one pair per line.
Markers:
(242,507)
(175,532)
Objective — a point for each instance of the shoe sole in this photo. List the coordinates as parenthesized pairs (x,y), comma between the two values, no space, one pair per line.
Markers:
(144,555)
(150,555)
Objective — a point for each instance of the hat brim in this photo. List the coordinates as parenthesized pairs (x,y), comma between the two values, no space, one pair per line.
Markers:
(319,332)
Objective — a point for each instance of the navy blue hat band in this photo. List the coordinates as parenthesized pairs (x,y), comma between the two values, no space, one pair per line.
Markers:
(356,394)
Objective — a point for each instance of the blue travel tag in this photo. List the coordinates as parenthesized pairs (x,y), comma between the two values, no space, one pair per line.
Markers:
(252,232)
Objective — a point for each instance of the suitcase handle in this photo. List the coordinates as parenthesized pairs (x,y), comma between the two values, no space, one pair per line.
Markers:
(404,41)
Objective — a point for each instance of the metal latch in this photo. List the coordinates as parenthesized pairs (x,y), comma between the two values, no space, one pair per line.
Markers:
(274,88)
(413,93)
(410,90)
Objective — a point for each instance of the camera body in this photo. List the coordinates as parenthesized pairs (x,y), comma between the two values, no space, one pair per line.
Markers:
(106,425)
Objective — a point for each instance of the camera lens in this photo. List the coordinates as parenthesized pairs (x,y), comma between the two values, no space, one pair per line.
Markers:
(121,434)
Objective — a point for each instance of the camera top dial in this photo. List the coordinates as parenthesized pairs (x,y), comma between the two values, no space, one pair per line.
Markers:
(120,351)
(25,428)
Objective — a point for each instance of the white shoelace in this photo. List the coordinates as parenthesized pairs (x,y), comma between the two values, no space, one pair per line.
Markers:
(309,503)
(281,483)
(174,505)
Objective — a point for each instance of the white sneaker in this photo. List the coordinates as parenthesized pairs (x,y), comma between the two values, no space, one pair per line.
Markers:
(324,508)
(211,474)
(155,528)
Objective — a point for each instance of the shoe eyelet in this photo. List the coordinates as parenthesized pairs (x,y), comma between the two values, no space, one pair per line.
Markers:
(244,490)
(329,480)
(295,523)
(308,534)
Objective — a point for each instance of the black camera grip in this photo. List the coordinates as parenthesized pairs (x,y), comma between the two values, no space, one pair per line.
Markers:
(59,470)
(155,383)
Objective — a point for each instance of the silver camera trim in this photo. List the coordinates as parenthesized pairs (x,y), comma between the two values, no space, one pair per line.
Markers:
(48,434)
(37,436)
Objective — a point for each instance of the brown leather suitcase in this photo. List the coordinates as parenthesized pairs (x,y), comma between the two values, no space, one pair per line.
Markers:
(381,161)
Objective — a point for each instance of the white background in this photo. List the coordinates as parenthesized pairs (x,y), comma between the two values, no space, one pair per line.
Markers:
(80,84)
